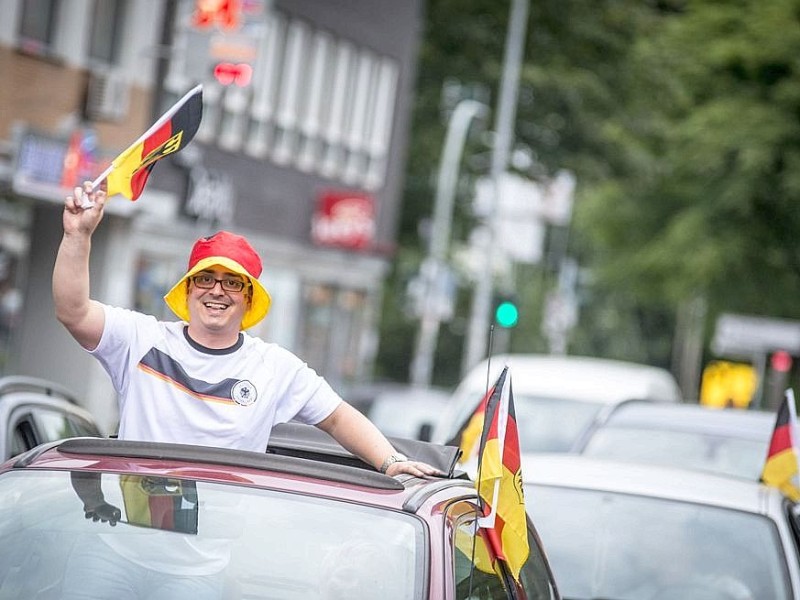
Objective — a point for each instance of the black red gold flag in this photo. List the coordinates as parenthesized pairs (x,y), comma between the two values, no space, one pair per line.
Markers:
(499,480)
(781,466)
(129,171)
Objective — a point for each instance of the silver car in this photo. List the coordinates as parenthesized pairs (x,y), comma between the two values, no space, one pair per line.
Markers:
(33,411)
(626,531)
(728,441)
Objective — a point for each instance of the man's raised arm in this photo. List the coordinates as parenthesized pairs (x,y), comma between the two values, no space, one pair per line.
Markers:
(83,317)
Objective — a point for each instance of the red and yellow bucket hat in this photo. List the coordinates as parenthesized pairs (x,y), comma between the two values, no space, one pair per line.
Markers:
(234,253)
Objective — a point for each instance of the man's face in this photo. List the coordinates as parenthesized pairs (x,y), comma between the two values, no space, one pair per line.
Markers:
(218,308)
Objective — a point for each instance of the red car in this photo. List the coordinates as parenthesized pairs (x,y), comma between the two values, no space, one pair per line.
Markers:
(111,518)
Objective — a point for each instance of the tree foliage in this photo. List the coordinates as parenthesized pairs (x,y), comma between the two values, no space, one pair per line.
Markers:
(680,121)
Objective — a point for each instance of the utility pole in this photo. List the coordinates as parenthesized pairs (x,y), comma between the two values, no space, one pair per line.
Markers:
(433,270)
(504,124)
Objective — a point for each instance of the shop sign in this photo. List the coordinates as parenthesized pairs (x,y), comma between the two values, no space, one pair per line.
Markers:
(345,220)
(748,335)
(46,167)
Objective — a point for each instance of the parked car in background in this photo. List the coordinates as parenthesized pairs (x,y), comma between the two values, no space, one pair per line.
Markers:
(33,411)
(305,520)
(640,532)
(728,441)
(556,397)
(401,410)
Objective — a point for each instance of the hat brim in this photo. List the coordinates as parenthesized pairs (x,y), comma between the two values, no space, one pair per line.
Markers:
(260,301)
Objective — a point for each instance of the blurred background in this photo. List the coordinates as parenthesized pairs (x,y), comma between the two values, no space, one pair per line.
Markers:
(428,182)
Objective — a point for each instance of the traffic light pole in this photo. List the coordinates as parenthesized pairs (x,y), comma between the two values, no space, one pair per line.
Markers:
(478,332)
(463,115)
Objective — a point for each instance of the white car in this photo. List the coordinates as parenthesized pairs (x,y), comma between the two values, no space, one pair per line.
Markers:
(556,397)
(628,531)
(400,410)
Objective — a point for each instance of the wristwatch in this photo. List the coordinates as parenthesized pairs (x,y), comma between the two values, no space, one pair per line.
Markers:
(391,459)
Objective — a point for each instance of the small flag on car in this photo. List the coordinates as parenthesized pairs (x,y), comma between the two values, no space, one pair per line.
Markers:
(128,172)
(499,481)
(781,467)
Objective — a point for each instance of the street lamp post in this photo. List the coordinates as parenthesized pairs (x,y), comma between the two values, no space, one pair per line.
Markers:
(504,124)
(434,269)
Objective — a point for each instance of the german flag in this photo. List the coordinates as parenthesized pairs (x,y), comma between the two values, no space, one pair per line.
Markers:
(160,503)
(128,173)
(499,481)
(781,467)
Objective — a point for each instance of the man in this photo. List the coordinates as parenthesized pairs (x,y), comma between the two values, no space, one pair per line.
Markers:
(203,380)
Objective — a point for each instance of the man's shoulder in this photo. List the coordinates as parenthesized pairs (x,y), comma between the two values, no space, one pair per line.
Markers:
(120,313)
(269,350)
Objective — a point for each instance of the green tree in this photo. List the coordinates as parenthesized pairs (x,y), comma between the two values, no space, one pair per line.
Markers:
(680,121)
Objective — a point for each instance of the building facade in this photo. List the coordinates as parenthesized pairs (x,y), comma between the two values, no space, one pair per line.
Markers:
(301,148)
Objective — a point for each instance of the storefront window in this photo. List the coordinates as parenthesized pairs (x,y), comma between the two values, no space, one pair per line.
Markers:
(332,329)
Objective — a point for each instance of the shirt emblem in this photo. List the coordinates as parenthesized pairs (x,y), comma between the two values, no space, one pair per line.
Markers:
(244,393)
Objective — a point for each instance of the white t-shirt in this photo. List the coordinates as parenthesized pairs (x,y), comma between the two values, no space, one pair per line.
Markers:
(172,389)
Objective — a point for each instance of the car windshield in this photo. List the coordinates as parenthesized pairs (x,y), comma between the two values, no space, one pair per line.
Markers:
(621,547)
(239,541)
(689,450)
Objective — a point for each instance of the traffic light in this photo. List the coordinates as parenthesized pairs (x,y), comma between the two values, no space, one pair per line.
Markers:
(506,313)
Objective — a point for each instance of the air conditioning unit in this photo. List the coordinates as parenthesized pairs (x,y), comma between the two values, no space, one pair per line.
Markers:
(107,97)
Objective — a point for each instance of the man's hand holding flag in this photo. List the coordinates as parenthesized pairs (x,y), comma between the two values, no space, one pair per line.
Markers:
(128,172)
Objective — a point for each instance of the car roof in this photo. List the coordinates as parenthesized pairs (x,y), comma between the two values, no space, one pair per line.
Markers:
(298,458)
(16,390)
(579,377)
(730,422)
(581,472)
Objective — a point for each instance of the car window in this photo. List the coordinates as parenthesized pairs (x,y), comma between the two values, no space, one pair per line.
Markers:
(55,425)
(551,424)
(692,450)
(252,543)
(475,574)
(546,424)
(474,567)
(607,545)
(23,436)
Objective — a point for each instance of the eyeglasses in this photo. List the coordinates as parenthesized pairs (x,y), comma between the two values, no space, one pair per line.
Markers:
(207,282)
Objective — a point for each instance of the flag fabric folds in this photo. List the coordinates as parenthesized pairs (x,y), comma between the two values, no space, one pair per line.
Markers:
(469,433)
(499,480)
(129,171)
(781,467)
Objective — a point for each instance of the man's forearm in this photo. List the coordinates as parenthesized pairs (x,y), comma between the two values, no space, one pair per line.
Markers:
(357,434)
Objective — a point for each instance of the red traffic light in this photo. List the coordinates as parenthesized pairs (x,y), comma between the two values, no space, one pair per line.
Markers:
(781,361)
(227,73)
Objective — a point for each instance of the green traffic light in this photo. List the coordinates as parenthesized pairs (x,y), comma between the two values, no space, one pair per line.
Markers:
(506,314)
